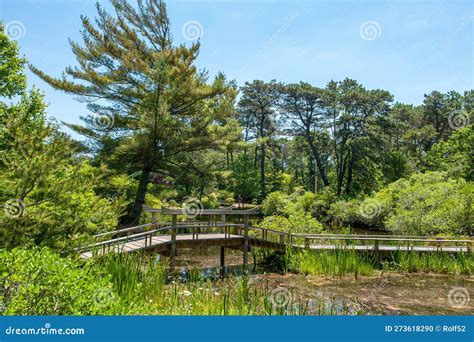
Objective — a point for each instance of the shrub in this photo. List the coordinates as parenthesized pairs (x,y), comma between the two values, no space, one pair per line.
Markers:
(432,203)
(295,223)
(63,211)
(275,203)
(40,282)
(424,204)
(344,212)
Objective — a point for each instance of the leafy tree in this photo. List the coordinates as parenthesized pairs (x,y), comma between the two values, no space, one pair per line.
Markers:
(355,116)
(12,76)
(432,203)
(297,222)
(257,108)
(424,204)
(437,107)
(47,194)
(150,101)
(40,282)
(303,104)
(245,181)
(455,154)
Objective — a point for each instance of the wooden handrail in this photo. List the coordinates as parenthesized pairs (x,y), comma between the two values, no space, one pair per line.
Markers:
(265,231)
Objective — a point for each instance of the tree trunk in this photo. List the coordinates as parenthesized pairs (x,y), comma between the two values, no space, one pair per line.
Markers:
(140,197)
(340,176)
(262,170)
(317,157)
(350,167)
(255,159)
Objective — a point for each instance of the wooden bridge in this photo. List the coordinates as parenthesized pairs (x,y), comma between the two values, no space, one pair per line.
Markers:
(167,238)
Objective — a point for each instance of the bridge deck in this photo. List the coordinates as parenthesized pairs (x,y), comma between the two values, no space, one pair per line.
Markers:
(162,242)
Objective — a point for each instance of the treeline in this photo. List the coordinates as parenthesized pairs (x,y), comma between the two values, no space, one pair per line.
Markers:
(162,133)
(343,137)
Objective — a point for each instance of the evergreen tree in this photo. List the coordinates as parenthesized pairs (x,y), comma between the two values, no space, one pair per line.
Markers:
(151,103)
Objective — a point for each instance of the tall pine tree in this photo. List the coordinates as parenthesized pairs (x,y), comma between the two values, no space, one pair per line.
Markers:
(150,103)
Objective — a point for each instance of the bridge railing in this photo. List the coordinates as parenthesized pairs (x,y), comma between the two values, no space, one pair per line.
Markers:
(147,232)
(371,241)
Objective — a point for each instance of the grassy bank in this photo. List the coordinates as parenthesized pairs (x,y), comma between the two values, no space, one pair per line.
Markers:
(144,287)
(339,263)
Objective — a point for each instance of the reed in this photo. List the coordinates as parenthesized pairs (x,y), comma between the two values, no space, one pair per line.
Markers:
(144,287)
(445,263)
(346,262)
(334,263)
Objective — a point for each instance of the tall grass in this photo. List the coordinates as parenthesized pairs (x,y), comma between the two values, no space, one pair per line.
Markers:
(446,263)
(346,262)
(144,287)
(333,263)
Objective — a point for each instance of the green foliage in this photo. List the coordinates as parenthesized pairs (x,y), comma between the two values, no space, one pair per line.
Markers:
(244,179)
(333,263)
(278,203)
(458,263)
(345,212)
(210,201)
(156,106)
(430,204)
(275,203)
(424,204)
(298,223)
(455,155)
(39,282)
(12,75)
(51,194)
(302,200)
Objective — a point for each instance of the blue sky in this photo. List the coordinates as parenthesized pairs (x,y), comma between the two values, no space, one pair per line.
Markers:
(406,47)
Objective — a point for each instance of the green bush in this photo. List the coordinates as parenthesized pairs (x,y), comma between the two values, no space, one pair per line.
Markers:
(278,203)
(430,203)
(295,223)
(275,203)
(63,211)
(40,282)
(344,212)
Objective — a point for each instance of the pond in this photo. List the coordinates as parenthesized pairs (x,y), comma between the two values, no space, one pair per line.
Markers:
(384,293)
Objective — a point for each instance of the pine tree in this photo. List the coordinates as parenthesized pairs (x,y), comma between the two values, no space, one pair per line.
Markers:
(150,103)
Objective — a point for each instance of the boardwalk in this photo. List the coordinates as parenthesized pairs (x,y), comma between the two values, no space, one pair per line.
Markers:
(162,243)
(168,238)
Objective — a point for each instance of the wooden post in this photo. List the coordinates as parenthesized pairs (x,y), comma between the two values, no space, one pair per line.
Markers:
(222,268)
(224,228)
(153,218)
(246,241)
(173,236)
(376,245)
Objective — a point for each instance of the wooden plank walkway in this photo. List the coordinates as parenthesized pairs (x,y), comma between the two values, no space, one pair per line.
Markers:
(161,243)
(167,237)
